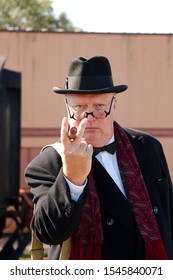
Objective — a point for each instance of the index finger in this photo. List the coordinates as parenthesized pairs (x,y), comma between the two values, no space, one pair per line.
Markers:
(64,131)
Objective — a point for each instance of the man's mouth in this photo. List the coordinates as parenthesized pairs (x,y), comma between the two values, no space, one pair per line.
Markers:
(91,128)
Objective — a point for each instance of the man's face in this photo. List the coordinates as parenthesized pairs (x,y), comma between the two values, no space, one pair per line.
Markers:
(99,130)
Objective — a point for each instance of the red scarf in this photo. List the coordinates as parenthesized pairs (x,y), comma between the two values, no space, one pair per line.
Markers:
(88,238)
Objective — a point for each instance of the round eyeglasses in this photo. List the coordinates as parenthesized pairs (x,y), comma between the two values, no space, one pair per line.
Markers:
(80,114)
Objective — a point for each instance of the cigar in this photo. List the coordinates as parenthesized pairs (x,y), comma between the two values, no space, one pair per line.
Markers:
(72,132)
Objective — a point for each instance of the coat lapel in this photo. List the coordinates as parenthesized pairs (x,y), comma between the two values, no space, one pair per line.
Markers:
(111,198)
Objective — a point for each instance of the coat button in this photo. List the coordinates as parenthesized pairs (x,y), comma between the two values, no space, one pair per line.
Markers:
(155,209)
(68,211)
(110,222)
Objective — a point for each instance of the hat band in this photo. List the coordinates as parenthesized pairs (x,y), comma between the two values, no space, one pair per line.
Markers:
(89,82)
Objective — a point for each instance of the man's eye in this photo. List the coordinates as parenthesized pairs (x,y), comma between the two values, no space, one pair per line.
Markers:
(79,107)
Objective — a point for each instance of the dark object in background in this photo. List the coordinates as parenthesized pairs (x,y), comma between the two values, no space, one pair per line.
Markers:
(14,206)
(10,104)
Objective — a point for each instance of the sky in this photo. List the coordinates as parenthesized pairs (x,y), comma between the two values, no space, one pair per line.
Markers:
(118,16)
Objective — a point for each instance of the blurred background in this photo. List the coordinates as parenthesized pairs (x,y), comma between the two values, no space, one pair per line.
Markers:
(37,41)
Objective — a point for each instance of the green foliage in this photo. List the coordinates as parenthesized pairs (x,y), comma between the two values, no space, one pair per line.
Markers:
(31,15)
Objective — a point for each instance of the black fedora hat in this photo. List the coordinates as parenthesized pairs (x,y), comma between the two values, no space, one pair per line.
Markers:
(90,76)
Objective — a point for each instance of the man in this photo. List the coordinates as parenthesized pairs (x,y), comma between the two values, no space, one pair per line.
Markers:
(115,204)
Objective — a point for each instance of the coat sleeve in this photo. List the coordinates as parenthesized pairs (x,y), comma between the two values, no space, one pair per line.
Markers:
(56,215)
(160,189)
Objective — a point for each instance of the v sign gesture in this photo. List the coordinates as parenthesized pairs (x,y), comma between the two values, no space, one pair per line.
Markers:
(76,155)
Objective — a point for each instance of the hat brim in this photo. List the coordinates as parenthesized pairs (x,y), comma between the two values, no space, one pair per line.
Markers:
(116,89)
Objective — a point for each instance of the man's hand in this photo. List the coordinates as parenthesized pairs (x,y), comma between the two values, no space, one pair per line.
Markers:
(76,154)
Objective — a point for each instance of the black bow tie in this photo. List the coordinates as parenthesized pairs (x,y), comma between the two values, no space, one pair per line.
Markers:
(110,148)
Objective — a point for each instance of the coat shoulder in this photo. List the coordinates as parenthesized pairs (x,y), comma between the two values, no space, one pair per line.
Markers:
(141,135)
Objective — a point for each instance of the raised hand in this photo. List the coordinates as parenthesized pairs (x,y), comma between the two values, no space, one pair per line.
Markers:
(76,153)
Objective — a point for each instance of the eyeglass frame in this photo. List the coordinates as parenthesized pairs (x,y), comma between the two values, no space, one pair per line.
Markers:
(107,113)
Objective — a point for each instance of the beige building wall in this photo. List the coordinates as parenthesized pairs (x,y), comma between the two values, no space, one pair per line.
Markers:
(143,62)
